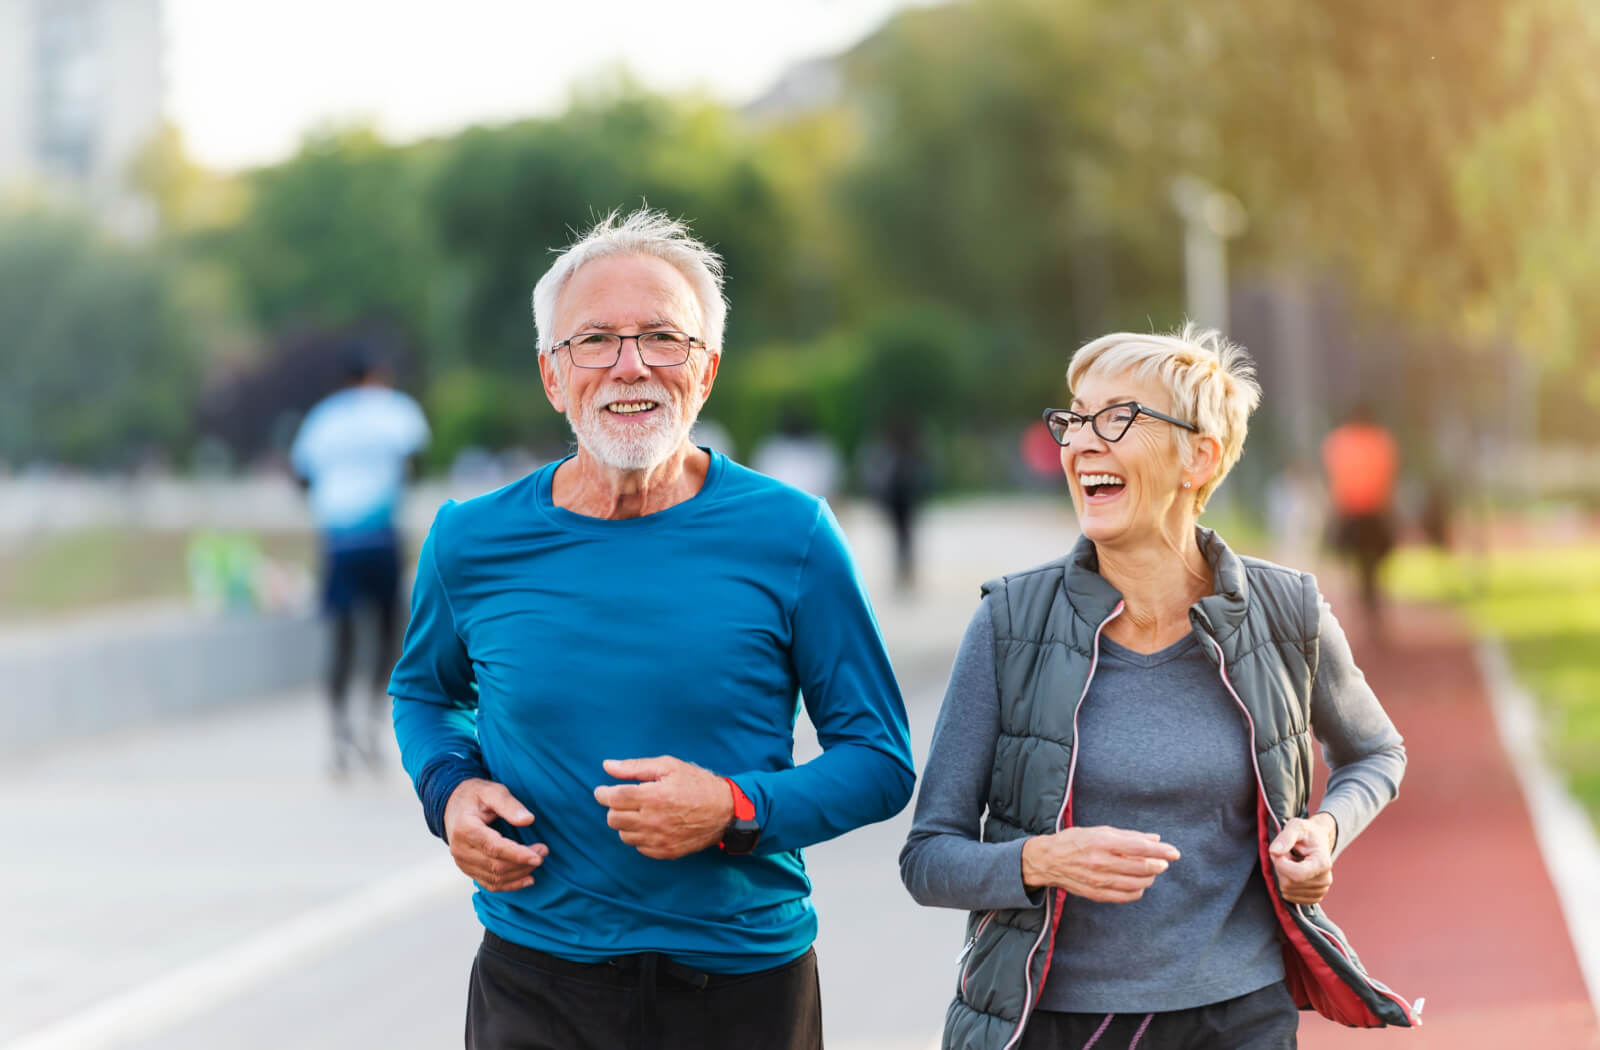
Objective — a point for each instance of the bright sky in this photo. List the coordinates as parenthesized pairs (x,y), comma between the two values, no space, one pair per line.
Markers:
(245,78)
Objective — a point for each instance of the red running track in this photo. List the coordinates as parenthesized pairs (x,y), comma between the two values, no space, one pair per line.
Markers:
(1446,894)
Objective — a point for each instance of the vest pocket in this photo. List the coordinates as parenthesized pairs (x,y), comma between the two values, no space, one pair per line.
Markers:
(964,959)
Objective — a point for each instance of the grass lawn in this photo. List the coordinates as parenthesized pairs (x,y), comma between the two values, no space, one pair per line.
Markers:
(1545,605)
(62,573)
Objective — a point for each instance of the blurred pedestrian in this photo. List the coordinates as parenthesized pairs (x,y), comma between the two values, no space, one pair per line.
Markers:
(1363,464)
(597,694)
(896,470)
(353,454)
(1438,514)
(1120,779)
(799,454)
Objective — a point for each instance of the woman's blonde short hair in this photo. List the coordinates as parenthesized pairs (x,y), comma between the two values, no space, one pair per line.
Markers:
(1212,384)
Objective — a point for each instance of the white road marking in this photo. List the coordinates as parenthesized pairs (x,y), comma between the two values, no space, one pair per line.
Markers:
(1566,837)
(203,985)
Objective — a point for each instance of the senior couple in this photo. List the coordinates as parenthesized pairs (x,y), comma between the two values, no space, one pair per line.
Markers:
(605,661)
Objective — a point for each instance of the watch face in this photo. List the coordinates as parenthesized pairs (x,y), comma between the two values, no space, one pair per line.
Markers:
(741,836)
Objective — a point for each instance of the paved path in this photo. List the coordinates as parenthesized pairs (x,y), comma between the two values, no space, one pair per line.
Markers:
(202,884)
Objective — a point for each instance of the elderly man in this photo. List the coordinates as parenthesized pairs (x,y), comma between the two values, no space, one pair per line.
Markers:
(598,690)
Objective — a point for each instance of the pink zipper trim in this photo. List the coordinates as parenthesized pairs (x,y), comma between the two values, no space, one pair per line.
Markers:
(1055,897)
(1261,789)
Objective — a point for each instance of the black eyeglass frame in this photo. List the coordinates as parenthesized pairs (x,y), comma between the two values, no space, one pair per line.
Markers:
(1093,419)
(693,342)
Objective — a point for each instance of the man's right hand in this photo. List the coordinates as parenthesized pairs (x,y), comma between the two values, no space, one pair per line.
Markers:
(1107,864)
(489,858)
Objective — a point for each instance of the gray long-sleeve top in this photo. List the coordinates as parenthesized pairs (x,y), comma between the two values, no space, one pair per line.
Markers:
(1161,749)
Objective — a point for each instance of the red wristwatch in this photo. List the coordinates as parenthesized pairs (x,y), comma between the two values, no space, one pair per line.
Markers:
(742,832)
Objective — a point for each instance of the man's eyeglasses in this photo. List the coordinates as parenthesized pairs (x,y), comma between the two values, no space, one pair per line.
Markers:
(603,349)
(1111,422)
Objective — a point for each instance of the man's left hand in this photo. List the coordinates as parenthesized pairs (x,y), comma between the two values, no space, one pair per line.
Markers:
(1302,856)
(677,809)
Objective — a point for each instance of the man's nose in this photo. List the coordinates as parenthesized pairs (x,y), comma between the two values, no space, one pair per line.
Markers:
(630,362)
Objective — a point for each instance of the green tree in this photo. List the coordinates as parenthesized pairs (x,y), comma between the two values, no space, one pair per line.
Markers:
(1437,160)
(989,181)
(97,367)
(335,236)
(504,197)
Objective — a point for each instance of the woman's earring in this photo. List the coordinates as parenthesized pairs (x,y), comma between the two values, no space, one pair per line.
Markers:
(1186,484)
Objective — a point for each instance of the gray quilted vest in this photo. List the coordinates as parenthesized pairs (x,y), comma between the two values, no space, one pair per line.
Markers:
(1260,628)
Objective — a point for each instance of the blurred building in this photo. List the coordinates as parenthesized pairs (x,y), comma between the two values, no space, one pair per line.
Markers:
(80,96)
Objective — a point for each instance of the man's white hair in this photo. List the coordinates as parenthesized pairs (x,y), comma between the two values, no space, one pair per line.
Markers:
(1212,384)
(642,232)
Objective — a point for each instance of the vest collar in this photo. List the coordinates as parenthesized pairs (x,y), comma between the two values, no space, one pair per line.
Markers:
(1218,614)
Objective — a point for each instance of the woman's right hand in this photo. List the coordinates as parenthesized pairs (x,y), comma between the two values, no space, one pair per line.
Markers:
(1107,864)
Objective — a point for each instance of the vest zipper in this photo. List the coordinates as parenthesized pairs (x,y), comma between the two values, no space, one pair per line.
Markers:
(1051,898)
(1261,788)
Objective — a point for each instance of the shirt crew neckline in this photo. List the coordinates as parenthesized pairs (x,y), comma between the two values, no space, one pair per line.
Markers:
(1132,656)
(570,520)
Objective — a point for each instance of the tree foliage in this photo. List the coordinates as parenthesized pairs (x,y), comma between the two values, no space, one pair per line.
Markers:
(506,196)
(96,368)
(335,236)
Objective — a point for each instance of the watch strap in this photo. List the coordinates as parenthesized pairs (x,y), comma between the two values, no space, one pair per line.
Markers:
(743,808)
(742,832)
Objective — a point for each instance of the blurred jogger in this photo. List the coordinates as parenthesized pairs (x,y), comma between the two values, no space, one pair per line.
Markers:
(1363,463)
(352,454)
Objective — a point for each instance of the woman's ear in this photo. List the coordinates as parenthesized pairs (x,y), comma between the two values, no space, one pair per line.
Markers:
(1204,459)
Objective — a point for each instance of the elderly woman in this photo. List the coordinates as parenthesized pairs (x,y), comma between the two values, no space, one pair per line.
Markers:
(1119,780)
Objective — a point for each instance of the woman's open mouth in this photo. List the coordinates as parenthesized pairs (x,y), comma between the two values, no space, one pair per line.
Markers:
(1097,486)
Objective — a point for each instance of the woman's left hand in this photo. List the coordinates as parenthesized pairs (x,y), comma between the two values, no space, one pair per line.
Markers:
(1302,856)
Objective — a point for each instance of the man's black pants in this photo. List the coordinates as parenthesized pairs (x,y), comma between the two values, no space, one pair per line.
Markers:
(522,999)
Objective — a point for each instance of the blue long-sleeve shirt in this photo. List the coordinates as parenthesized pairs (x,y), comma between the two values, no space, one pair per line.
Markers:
(543,642)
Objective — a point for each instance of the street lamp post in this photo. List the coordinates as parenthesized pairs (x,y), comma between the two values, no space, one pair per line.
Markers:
(1210,217)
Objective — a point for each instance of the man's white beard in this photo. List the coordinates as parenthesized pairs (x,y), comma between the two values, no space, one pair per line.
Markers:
(631,446)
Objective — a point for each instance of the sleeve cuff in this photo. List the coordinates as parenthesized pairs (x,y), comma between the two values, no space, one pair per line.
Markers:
(1342,822)
(1022,896)
(755,791)
(439,780)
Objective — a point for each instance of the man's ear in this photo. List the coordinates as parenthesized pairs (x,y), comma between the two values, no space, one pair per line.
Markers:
(709,375)
(552,382)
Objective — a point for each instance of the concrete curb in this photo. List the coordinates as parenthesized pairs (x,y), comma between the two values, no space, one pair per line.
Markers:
(147,668)
(1565,834)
